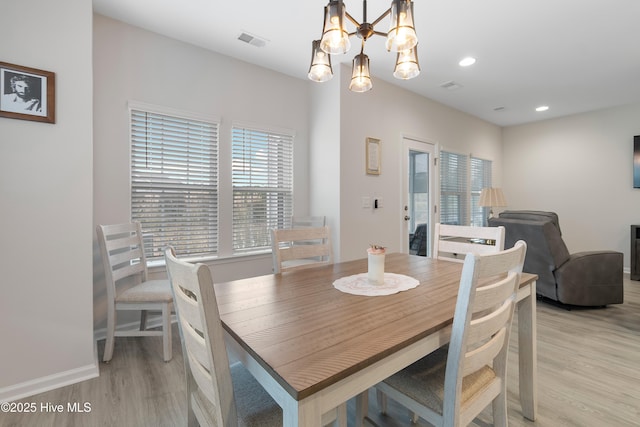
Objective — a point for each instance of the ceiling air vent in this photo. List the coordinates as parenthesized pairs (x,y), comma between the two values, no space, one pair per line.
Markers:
(451,85)
(252,40)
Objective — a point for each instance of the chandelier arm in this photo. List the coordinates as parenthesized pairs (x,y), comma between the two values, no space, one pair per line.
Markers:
(380,33)
(381,17)
(352,19)
(352,34)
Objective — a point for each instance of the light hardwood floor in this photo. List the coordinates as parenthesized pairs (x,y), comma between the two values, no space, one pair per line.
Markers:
(588,375)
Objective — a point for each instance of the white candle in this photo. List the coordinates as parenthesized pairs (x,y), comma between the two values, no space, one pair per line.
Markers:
(375,273)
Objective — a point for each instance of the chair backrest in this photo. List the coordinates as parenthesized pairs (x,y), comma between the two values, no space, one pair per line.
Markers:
(298,248)
(482,323)
(453,242)
(533,216)
(203,348)
(122,252)
(308,221)
(546,249)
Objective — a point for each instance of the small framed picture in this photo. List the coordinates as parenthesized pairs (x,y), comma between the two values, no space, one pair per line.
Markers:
(27,93)
(373,156)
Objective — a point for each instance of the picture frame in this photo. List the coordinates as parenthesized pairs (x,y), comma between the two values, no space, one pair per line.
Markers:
(27,93)
(373,156)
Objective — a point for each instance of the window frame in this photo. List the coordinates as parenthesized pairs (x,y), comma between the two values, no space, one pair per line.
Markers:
(210,220)
(274,183)
(467,193)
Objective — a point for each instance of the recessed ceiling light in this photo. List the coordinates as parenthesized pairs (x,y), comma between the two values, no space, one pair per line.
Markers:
(467,61)
(542,108)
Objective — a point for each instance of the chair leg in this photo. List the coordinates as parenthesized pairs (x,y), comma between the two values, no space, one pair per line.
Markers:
(362,407)
(382,401)
(499,407)
(111,332)
(143,320)
(166,331)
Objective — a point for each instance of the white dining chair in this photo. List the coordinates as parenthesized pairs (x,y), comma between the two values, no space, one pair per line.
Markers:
(308,221)
(217,394)
(128,285)
(452,385)
(453,242)
(299,248)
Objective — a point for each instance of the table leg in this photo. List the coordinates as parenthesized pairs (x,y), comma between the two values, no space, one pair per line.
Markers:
(527,352)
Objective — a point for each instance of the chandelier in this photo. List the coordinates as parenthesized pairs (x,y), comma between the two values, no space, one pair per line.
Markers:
(401,38)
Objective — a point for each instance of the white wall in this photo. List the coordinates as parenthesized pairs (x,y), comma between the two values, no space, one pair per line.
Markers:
(581,167)
(388,113)
(46,211)
(134,64)
(324,159)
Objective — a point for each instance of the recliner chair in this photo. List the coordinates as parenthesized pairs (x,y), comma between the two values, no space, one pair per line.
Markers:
(584,279)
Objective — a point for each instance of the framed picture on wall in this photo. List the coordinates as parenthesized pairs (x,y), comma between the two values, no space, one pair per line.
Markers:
(27,93)
(373,156)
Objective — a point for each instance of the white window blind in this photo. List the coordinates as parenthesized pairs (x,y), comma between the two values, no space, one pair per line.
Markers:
(262,185)
(453,189)
(174,183)
(480,178)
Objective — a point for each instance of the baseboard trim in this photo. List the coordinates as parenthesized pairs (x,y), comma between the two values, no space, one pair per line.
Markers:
(51,382)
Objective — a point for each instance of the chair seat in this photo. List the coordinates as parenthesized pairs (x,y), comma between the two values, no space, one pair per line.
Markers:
(423,381)
(149,291)
(254,406)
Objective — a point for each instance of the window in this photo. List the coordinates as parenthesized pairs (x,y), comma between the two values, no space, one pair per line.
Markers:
(453,189)
(461,179)
(174,183)
(480,178)
(262,185)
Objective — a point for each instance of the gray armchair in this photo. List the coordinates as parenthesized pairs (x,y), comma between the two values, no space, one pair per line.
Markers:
(584,279)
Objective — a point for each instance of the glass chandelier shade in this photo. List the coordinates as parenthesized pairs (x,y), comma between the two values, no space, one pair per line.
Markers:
(320,69)
(407,66)
(401,38)
(402,33)
(360,77)
(335,38)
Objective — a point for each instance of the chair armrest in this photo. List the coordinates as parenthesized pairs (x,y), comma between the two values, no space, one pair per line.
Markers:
(591,279)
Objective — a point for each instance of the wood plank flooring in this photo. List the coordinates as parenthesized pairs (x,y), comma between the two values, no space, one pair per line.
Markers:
(588,375)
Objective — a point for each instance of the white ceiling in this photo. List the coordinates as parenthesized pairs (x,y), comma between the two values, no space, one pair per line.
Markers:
(572,55)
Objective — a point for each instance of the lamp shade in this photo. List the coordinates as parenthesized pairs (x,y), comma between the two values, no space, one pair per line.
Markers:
(490,197)
(407,66)
(360,77)
(320,69)
(335,38)
(402,33)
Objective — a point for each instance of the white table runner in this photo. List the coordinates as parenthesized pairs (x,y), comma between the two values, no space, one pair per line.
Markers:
(358,284)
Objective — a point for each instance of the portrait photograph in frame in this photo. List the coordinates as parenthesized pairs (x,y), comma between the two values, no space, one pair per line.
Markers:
(27,93)
(373,156)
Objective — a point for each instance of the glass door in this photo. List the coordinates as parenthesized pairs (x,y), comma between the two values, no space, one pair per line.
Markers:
(419,196)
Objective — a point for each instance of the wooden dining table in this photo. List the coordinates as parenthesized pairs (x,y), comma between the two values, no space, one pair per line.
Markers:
(313,347)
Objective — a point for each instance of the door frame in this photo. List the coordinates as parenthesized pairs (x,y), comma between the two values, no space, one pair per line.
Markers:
(412,143)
